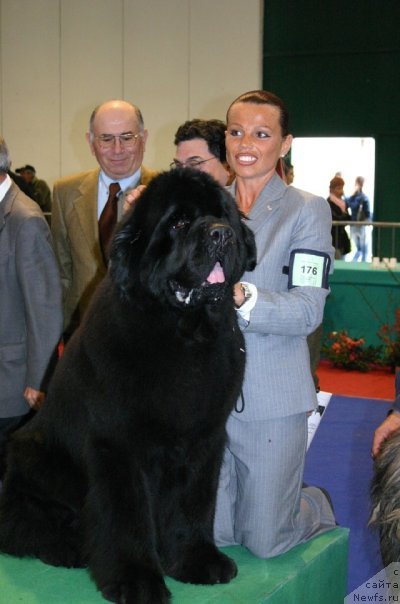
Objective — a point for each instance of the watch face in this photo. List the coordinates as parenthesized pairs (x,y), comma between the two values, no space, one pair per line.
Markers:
(246,291)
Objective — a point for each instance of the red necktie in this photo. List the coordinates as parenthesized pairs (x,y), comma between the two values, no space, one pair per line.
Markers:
(108,218)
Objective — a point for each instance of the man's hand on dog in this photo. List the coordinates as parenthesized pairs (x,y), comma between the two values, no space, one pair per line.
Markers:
(33,397)
(132,197)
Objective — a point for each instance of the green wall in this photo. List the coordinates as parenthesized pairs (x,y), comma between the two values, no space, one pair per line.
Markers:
(337,66)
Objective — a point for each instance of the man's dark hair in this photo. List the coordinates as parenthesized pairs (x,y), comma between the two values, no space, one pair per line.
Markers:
(212,131)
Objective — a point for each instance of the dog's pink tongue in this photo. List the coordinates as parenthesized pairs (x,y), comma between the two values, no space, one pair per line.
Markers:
(216,275)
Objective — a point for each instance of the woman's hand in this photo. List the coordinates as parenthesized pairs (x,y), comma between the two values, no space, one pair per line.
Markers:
(238,295)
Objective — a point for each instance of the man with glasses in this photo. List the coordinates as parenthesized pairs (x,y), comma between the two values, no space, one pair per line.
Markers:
(87,205)
(200,144)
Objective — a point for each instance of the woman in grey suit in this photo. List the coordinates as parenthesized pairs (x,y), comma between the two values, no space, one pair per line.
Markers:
(262,502)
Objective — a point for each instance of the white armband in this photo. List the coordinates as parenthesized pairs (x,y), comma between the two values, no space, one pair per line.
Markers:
(309,268)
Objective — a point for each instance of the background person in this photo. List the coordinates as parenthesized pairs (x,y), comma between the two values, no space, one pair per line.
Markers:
(41,189)
(30,304)
(359,206)
(25,187)
(200,144)
(337,204)
(117,138)
(261,503)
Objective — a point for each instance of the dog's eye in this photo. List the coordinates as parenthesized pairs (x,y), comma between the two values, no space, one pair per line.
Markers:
(180,223)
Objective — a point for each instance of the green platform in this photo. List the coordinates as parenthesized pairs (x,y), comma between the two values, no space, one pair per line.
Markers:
(312,573)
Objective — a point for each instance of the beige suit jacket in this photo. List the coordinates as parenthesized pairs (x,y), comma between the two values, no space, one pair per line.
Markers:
(75,232)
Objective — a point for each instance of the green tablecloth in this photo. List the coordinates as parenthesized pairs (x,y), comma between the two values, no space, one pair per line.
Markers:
(314,572)
(362,299)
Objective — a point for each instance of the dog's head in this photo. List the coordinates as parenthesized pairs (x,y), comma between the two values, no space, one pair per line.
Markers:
(184,242)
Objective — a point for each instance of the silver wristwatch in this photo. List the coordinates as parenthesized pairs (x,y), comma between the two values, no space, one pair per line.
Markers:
(246,292)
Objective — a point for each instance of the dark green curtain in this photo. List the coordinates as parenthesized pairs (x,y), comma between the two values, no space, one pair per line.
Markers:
(337,66)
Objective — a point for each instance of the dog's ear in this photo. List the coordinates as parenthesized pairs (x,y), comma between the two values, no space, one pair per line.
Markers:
(125,253)
(249,253)
(250,244)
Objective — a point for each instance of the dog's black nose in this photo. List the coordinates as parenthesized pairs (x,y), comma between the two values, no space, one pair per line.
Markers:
(220,234)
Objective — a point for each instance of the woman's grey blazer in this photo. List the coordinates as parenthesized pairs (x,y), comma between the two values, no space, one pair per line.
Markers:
(278,379)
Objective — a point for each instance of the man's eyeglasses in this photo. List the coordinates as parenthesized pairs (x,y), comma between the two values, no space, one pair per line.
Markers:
(126,140)
(190,163)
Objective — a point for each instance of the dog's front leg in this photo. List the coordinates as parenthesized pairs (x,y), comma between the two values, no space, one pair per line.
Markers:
(120,536)
(198,560)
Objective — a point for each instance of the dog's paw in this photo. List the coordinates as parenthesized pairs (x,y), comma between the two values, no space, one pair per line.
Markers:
(207,565)
(140,591)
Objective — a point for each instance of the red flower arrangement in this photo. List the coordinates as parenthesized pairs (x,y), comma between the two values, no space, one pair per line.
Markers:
(348,353)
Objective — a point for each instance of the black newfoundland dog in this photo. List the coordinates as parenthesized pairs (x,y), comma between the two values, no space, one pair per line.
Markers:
(119,469)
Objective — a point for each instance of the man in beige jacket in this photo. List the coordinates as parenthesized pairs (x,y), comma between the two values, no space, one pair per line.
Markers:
(117,138)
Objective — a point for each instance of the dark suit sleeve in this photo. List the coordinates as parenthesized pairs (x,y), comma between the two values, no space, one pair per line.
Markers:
(39,281)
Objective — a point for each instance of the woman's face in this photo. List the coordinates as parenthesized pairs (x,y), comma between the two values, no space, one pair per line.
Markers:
(254,140)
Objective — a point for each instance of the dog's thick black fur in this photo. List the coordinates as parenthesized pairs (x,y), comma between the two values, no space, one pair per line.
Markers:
(385,494)
(118,471)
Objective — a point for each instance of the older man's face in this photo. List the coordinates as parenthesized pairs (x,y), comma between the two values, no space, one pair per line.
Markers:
(117,157)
